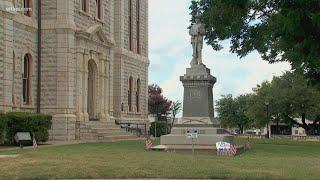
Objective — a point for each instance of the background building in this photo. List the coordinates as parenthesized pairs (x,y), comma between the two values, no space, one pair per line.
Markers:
(85,62)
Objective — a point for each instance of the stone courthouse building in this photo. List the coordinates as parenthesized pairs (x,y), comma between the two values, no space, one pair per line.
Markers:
(85,62)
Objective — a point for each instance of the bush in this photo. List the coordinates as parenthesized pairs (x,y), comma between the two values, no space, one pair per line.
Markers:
(37,124)
(3,125)
(161,129)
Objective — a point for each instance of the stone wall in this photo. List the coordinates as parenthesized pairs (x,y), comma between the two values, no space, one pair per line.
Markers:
(70,39)
(130,63)
(19,37)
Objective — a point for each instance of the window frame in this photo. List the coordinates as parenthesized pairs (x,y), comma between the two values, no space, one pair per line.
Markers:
(27,4)
(130,89)
(138,26)
(26,79)
(130,25)
(85,6)
(99,10)
(138,95)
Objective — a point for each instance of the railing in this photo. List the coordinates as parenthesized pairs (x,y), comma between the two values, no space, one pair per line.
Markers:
(134,127)
(293,137)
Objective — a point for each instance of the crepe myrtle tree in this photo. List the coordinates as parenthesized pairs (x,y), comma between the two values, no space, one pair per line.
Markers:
(158,105)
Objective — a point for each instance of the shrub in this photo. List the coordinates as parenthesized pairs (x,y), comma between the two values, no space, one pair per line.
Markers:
(37,124)
(3,125)
(161,129)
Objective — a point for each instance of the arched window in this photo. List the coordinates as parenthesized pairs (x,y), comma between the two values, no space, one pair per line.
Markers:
(84,5)
(27,7)
(99,9)
(138,96)
(26,78)
(130,93)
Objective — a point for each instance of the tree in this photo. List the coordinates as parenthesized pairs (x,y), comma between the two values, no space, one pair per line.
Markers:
(175,108)
(291,100)
(279,30)
(157,103)
(231,112)
(298,99)
(264,107)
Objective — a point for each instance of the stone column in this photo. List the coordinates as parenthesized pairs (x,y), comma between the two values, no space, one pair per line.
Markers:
(102,90)
(107,90)
(85,84)
(63,122)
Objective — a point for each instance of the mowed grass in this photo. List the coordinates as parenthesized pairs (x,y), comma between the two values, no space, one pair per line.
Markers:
(268,159)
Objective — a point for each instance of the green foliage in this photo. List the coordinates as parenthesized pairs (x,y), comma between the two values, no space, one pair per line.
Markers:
(279,30)
(39,124)
(175,108)
(231,112)
(161,129)
(3,126)
(288,99)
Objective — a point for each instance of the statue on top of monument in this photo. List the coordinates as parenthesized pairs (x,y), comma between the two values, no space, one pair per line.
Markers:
(197,32)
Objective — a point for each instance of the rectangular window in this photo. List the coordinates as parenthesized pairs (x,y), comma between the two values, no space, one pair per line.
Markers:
(84,5)
(13,78)
(27,7)
(138,25)
(130,25)
(99,9)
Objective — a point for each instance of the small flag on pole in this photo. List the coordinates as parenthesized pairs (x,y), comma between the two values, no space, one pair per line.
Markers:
(232,150)
(34,143)
(148,144)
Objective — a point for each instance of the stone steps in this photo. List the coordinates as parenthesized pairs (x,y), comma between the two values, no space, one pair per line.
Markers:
(95,130)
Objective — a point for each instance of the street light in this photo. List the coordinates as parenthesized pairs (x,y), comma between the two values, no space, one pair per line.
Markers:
(267,105)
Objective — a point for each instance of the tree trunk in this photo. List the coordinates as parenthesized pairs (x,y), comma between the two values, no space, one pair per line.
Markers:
(241,129)
(277,121)
(172,122)
(305,126)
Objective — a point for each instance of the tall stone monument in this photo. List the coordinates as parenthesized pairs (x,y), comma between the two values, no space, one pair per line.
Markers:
(198,101)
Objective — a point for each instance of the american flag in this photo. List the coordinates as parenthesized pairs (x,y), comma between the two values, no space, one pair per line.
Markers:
(148,144)
(34,143)
(233,150)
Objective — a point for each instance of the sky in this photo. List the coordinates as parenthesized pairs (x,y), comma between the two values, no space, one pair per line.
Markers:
(170,53)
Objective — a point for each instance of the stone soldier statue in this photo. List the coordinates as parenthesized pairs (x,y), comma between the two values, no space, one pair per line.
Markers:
(197,32)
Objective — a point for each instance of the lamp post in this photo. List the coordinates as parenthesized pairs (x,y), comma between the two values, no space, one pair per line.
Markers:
(267,105)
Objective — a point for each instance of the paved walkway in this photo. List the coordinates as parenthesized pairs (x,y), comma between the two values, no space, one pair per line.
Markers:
(60,143)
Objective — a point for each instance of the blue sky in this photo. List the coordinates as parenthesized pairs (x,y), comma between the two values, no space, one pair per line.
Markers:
(170,53)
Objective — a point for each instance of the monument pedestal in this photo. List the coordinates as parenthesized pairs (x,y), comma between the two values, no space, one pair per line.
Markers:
(197,111)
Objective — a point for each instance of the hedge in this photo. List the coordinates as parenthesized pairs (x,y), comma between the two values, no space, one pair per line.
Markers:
(161,129)
(3,125)
(37,124)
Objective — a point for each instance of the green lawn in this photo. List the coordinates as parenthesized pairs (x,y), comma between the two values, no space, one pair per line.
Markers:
(281,159)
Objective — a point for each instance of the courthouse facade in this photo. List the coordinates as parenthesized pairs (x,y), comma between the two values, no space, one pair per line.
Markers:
(85,62)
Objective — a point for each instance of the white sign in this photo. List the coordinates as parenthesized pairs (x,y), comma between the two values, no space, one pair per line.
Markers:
(152,118)
(192,133)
